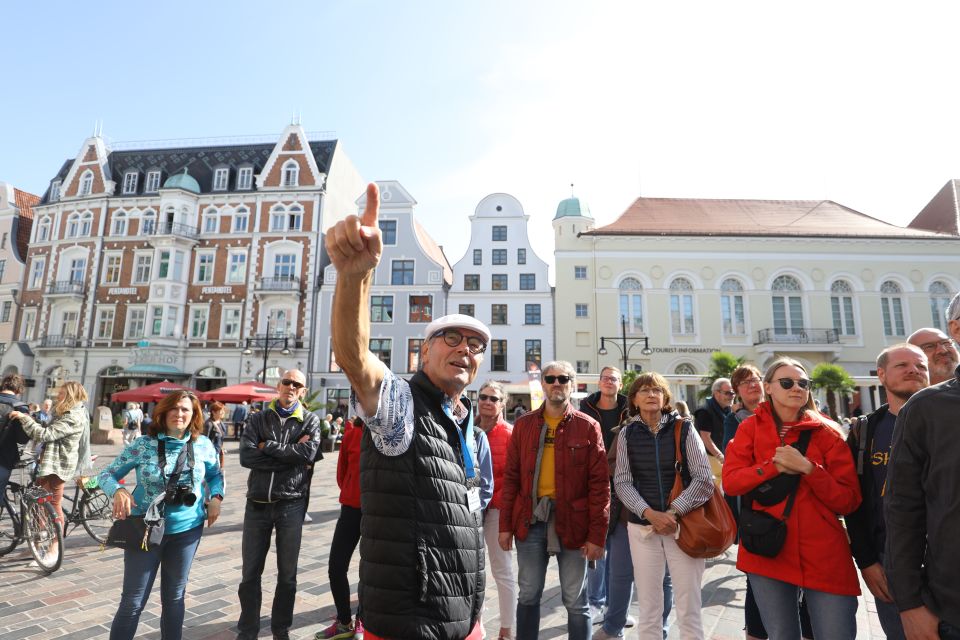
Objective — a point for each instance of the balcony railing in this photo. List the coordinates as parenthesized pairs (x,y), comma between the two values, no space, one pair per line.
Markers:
(60,287)
(172,229)
(798,336)
(282,283)
(60,342)
(275,340)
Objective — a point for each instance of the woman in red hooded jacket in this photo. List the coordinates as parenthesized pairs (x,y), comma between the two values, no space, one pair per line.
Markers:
(346,536)
(815,555)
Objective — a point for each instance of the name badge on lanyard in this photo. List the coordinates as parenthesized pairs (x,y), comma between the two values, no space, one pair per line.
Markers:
(473,499)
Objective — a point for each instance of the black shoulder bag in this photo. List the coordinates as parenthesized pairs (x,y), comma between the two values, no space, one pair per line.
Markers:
(145,532)
(761,533)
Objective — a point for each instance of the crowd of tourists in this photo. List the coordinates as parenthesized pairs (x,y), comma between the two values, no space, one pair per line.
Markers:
(432,488)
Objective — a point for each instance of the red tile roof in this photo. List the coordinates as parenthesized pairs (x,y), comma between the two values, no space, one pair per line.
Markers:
(795,218)
(25,202)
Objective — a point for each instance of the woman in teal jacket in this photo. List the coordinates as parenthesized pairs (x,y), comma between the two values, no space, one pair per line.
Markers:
(177,423)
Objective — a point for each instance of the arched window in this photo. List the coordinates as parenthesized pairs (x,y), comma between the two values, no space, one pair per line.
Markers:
(685,370)
(686,392)
(841,304)
(278,218)
(291,173)
(891,304)
(631,304)
(118,226)
(731,308)
(43,229)
(148,222)
(86,223)
(940,296)
(86,183)
(241,220)
(787,306)
(73,225)
(210,220)
(295,222)
(681,306)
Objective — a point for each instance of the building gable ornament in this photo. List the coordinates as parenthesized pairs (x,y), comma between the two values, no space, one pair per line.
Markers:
(280,148)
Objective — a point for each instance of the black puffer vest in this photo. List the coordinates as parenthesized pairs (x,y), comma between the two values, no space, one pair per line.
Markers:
(421,548)
(653,463)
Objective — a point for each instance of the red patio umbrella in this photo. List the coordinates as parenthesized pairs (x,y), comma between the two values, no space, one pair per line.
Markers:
(245,391)
(150,393)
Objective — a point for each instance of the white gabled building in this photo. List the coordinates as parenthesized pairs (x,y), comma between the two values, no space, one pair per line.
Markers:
(409,289)
(503,283)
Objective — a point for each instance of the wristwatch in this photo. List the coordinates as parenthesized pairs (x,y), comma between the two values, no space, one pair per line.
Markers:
(673,513)
(217,495)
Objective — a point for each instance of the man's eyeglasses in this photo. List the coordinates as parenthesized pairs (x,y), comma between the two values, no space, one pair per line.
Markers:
(561,379)
(287,382)
(929,347)
(787,383)
(453,338)
(729,394)
(485,398)
(610,379)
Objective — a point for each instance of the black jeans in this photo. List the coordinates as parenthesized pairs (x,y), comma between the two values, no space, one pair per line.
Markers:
(345,539)
(259,521)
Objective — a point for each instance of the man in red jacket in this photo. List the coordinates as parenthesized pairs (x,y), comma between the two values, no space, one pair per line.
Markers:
(556,500)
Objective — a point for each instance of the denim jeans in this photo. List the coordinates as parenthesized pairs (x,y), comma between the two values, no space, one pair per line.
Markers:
(598,580)
(259,521)
(532,561)
(173,558)
(832,615)
(620,590)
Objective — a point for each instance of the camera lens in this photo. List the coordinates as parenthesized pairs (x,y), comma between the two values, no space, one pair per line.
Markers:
(189,499)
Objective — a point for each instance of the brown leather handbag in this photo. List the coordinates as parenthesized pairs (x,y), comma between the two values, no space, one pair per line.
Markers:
(710,529)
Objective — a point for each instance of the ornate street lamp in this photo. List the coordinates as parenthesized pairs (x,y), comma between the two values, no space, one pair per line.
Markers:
(622,345)
(268,343)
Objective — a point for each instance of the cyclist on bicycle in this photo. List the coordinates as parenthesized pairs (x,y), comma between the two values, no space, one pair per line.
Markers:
(11,434)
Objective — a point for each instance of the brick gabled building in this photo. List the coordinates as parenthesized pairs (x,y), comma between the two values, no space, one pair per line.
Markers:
(167,262)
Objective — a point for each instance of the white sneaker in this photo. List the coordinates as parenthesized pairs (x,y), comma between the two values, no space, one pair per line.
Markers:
(596,613)
(307,518)
(631,622)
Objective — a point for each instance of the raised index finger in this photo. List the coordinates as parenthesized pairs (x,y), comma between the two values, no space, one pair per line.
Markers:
(372,209)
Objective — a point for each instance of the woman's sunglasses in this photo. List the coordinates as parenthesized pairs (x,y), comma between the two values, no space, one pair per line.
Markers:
(787,383)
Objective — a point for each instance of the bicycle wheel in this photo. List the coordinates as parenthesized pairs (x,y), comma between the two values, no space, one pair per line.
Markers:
(8,531)
(96,514)
(43,535)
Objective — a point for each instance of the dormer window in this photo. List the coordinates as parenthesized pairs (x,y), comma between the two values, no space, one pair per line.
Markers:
(291,174)
(86,183)
(245,178)
(130,182)
(54,191)
(220,177)
(153,182)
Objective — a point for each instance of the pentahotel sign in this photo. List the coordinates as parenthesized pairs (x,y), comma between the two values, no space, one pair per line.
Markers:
(154,355)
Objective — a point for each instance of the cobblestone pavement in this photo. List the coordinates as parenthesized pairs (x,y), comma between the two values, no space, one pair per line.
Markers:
(80,599)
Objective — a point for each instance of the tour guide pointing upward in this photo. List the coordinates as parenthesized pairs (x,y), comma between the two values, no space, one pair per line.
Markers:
(421,548)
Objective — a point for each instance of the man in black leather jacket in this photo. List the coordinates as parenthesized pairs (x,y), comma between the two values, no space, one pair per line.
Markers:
(278,446)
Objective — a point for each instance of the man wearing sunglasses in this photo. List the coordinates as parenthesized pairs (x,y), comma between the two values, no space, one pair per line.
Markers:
(279,445)
(555,501)
(421,482)
(921,511)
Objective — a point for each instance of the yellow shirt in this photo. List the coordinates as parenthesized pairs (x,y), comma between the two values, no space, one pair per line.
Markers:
(547,482)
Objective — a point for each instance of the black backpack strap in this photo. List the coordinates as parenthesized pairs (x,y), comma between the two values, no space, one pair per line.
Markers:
(858,429)
(801,446)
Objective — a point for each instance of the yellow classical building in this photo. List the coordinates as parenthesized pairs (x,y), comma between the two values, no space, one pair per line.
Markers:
(672,280)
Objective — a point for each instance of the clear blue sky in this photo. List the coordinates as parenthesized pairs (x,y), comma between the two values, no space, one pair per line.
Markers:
(852,102)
